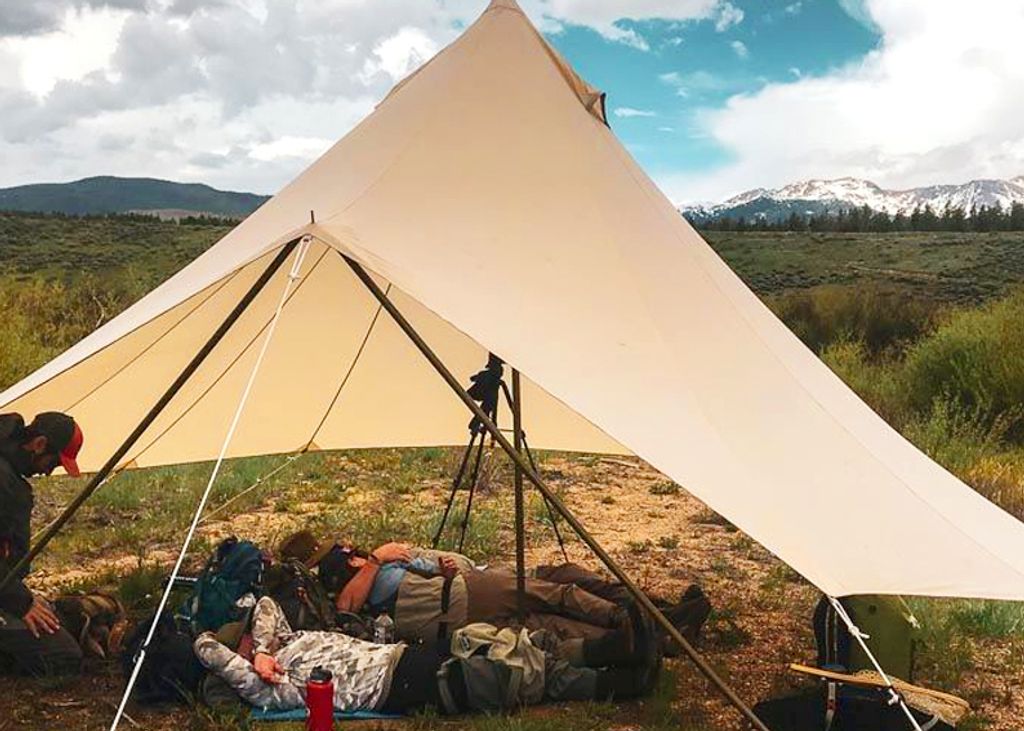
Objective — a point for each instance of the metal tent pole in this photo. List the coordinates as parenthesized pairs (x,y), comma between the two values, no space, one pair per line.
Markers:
(560,507)
(154,412)
(517,436)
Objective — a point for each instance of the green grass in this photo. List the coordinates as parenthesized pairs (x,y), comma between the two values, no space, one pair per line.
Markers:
(943,266)
(63,247)
(345,494)
(664,487)
(951,627)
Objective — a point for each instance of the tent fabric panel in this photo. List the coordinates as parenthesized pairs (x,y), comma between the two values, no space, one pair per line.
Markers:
(395,398)
(193,426)
(391,398)
(65,390)
(110,392)
(399,401)
(994,531)
(753,423)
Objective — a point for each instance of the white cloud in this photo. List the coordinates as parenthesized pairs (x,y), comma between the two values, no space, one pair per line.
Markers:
(940,100)
(728,16)
(695,82)
(400,54)
(794,8)
(666,129)
(630,112)
(605,16)
(301,148)
(84,42)
(859,11)
(238,93)
(740,49)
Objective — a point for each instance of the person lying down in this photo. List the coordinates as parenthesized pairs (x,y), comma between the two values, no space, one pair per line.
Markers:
(484,669)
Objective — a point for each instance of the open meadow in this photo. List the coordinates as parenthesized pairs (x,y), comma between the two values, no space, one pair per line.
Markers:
(927,328)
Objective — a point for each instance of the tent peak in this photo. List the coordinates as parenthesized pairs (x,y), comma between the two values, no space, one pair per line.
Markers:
(504,5)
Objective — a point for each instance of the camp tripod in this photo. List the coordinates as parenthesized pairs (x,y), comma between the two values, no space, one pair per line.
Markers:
(488,385)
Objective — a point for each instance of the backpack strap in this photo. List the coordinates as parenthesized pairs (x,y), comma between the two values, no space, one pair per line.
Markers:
(831,704)
(446,600)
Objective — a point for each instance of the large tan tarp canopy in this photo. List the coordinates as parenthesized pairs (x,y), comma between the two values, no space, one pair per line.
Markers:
(488,194)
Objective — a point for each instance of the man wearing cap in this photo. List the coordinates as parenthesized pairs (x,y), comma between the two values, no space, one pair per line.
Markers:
(32,640)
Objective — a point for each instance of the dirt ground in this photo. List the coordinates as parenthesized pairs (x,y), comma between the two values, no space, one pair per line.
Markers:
(661,536)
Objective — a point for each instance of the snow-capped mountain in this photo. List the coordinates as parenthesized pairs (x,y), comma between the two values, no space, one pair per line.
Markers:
(814,197)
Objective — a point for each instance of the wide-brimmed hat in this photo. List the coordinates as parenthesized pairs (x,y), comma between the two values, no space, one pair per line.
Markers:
(303,546)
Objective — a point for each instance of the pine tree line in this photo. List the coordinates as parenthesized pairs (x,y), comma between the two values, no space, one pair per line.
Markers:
(865,219)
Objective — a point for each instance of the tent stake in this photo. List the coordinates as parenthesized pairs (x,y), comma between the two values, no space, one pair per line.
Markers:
(517,435)
(150,417)
(559,506)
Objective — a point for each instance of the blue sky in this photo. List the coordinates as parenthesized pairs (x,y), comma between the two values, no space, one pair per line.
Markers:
(692,67)
(726,95)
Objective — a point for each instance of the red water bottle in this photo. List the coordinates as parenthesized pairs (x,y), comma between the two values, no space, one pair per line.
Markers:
(320,700)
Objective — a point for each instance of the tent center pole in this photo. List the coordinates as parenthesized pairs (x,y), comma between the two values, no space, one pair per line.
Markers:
(153,413)
(553,499)
(517,436)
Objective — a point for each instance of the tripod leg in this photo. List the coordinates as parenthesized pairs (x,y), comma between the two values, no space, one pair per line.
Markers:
(472,491)
(456,484)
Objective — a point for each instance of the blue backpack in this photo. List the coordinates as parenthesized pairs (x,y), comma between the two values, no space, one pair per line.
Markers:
(234,569)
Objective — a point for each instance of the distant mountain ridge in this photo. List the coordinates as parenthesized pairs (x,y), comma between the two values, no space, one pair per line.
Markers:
(109,194)
(817,197)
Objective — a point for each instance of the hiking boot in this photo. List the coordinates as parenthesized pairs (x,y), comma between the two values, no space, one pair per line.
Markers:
(688,616)
(623,683)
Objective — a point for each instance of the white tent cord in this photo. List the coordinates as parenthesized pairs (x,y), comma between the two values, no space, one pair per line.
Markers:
(894,695)
(300,256)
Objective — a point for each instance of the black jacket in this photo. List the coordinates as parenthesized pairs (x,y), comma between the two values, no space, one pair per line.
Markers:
(15,513)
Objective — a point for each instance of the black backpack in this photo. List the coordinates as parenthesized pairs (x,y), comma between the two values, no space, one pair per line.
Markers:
(171,672)
(302,597)
(842,708)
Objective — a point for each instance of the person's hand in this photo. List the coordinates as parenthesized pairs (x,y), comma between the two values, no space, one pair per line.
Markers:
(390,552)
(268,668)
(449,567)
(40,618)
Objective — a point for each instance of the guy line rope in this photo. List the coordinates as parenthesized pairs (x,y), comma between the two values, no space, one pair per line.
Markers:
(293,276)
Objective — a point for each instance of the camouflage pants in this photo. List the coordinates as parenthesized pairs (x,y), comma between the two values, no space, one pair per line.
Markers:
(362,671)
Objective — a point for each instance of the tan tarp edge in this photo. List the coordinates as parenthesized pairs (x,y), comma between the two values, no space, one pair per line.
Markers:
(506,217)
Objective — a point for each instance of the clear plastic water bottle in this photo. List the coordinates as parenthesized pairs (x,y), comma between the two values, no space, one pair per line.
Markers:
(383,629)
